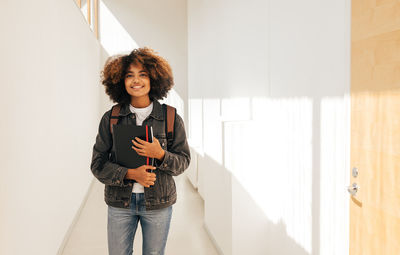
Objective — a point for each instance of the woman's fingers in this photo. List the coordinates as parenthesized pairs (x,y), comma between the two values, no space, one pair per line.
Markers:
(141,141)
(147,179)
(151,177)
(138,145)
(148,184)
(141,152)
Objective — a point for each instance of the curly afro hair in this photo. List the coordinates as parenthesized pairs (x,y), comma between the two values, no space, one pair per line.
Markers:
(115,68)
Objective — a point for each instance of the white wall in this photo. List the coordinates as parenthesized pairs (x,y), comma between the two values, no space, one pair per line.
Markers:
(161,25)
(49,97)
(269,82)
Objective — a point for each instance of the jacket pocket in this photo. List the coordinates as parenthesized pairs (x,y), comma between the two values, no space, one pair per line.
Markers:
(109,192)
(170,186)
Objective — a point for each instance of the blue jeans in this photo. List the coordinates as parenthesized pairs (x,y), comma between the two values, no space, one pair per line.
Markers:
(122,225)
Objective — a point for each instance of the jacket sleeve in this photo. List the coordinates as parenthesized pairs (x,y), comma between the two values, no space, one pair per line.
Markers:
(102,168)
(177,157)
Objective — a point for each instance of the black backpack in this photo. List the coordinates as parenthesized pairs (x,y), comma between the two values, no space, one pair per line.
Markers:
(169,111)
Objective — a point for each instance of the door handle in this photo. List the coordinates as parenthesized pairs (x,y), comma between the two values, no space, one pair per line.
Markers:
(353,189)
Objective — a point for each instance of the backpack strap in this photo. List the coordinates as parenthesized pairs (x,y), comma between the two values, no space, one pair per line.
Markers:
(170,113)
(114,116)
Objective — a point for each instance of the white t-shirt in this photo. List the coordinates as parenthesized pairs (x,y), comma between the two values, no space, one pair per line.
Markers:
(141,115)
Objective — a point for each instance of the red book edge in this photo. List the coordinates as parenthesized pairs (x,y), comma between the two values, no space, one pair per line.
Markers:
(147,140)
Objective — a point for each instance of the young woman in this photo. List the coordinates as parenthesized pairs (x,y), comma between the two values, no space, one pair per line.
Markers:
(137,81)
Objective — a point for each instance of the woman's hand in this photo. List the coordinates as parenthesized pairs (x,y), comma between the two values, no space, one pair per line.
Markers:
(141,175)
(146,149)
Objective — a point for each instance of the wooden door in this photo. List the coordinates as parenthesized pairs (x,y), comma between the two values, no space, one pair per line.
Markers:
(375,127)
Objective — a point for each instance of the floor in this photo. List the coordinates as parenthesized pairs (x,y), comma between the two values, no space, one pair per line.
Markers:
(187,233)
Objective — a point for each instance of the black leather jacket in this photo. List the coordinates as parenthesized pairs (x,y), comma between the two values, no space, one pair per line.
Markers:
(118,191)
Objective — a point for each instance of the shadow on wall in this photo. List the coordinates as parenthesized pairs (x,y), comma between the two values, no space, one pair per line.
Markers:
(274,235)
(235,220)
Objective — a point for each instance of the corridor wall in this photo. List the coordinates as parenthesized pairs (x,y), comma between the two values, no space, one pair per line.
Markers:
(50,63)
(269,116)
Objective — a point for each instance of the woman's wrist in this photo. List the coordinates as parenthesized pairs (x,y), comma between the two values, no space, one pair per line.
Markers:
(161,155)
(131,174)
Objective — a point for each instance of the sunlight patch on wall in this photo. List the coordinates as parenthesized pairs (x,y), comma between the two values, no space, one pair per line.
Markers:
(212,129)
(271,156)
(266,144)
(195,134)
(334,199)
(84,9)
(113,36)
(175,100)
(234,109)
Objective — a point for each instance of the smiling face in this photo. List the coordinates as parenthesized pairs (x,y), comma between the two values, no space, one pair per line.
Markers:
(137,84)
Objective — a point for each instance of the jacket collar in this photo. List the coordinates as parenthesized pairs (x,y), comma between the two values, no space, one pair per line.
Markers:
(156,113)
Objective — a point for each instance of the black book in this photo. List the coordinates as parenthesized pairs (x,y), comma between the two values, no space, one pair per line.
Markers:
(125,155)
